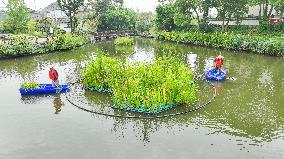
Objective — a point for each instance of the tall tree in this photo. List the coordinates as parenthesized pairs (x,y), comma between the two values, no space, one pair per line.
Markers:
(100,7)
(165,17)
(144,22)
(227,9)
(71,8)
(194,9)
(17,17)
(266,8)
(279,7)
(117,19)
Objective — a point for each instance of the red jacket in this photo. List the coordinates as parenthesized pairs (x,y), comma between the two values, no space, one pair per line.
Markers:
(219,62)
(53,74)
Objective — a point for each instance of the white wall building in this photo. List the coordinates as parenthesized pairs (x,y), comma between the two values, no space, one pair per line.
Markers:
(251,18)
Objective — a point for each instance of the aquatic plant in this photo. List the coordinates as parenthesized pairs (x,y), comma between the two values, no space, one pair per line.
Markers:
(142,87)
(124,41)
(29,85)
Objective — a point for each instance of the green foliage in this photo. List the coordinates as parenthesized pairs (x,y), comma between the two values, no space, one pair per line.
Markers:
(183,22)
(44,24)
(29,85)
(17,17)
(272,28)
(91,25)
(144,22)
(71,8)
(165,17)
(20,45)
(270,45)
(229,8)
(142,85)
(117,19)
(32,26)
(69,41)
(124,41)
(17,45)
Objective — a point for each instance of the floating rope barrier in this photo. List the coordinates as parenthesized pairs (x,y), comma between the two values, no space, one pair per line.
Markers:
(138,117)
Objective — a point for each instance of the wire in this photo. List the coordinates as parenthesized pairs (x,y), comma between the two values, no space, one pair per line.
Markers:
(138,117)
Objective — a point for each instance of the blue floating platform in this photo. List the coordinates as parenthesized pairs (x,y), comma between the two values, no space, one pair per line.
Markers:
(215,75)
(45,89)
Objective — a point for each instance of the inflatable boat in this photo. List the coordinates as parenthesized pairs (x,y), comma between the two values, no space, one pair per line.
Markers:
(215,75)
(45,89)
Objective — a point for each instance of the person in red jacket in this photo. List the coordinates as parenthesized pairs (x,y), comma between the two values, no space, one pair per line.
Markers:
(53,75)
(219,60)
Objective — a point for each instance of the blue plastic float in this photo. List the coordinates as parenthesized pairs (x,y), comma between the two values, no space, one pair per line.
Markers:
(141,109)
(45,89)
(215,75)
(133,108)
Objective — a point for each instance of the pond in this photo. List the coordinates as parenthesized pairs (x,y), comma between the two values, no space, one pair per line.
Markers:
(246,119)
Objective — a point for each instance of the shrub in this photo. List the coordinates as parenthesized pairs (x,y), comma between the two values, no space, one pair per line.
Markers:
(20,45)
(261,44)
(69,41)
(124,41)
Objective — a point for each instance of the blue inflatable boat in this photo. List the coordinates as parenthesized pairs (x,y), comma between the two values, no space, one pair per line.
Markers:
(45,89)
(215,75)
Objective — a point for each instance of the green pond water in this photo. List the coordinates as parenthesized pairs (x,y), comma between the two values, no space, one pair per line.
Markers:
(246,120)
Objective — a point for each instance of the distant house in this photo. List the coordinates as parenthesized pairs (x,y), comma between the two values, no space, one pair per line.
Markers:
(54,13)
(35,14)
(251,18)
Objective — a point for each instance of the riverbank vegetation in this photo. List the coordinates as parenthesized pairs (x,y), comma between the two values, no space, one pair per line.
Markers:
(143,87)
(124,41)
(189,22)
(269,45)
(21,45)
(179,21)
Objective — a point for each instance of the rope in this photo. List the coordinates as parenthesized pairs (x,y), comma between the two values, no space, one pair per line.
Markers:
(138,117)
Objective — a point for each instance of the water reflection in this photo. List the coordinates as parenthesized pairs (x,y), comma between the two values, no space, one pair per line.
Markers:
(142,55)
(250,107)
(208,63)
(55,99)
(57,104)
(217,86)
(192,61)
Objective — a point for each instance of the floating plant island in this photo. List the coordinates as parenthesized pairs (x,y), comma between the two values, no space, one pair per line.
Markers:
(142,87)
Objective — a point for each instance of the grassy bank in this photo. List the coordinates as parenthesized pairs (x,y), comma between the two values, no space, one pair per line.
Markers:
(261,44)
(22,45)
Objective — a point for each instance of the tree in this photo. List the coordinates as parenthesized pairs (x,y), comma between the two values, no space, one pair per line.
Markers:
(279,7)
(32,26)
(165,17)
(227,9)
(17,17)
(117,19)
(71,8)
(266,8)
(100,7)
(44,25)
(188,10)
(144,22)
